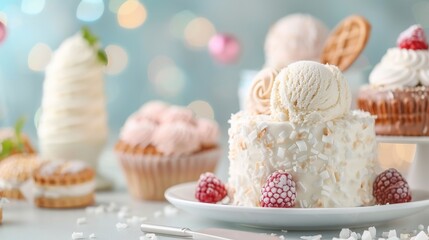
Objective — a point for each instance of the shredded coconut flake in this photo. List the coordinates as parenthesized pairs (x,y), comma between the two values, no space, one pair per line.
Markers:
(366,235)
(92,236)
(324,175)
(373,231)
(392,233)
(323,156)
(302,146)
(292,135)
(77,235)
(316,237)
(81,221)
(121,226)
(302,186)
(281,152)
(253,135)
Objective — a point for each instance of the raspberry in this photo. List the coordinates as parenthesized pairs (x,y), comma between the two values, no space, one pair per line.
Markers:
(390,188)
(413,38)
(279,191)
(210,189)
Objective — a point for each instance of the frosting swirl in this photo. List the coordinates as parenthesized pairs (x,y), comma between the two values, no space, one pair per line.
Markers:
(309,92)
(153,110)
(137,131)
(402,68)
(260,93)
(177,114)
(176,138)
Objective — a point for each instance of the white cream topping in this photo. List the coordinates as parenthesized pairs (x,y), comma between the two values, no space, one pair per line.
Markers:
(10,184)
(73,104)
(64,191)
(333,162)
(402,68)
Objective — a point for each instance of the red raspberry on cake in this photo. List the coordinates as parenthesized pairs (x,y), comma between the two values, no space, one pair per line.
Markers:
(279,191)
(413,39)
(390,188)
(210,189)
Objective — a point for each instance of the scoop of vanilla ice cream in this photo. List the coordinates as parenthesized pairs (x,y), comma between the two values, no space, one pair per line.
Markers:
(293,38)
(309,92)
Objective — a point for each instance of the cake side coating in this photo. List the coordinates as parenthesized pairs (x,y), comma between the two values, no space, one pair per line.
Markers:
(332,162)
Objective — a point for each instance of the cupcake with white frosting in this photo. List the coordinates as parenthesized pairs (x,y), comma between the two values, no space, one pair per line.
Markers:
(73,122)
(161,146)
(398,93)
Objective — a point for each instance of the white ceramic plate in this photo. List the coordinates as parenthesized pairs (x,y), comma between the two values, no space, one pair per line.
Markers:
(182,196)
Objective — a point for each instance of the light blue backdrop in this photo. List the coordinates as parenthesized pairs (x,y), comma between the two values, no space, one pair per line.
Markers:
(248,20)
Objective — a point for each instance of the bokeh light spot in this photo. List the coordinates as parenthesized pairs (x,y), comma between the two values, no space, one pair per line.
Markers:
(170,81)
(198,32)
(202,109)
(118,59)
(114,5)
(90,10)
(156,65)
(131,14)
(179,22)
(32,6)
(39,57)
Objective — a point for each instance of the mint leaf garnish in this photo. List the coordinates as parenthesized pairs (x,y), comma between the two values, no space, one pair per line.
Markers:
(92,41)
(89,37)
(102,56)
(6,148)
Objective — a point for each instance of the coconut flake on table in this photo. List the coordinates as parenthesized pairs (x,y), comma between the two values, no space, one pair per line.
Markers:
(420,236)
(136,220)
(121,226)
(81,221)
(315,237)
(92,236)
(149,236)
(77,235)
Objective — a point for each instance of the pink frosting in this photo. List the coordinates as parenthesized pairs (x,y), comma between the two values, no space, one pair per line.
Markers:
(153,110)
(176,138)
(138,131)
(208,132)
(177,114)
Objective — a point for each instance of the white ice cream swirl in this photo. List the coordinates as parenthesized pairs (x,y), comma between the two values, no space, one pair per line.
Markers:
(73,105)
(309,92)
(402,68)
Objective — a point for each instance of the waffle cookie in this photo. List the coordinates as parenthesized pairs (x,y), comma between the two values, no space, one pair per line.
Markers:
(14,171)
(346,42)
(64,184)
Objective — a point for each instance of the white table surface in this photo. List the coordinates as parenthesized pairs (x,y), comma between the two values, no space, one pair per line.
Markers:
(21,221)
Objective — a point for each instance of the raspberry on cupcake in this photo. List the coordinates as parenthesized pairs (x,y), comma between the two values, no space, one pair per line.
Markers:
(161,145)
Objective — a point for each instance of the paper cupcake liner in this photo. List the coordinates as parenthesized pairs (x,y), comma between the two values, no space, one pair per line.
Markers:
(148,176)
(400,112)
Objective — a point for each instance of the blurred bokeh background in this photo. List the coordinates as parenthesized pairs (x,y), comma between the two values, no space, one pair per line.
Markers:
(158,49)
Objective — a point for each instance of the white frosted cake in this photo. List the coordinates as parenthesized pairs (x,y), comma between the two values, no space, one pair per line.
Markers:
(299,121)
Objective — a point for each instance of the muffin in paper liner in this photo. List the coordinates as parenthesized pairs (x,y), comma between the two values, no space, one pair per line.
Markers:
(149,175)
(399,111)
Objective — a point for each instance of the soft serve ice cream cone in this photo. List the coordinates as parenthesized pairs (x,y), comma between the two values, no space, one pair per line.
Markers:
(73,123)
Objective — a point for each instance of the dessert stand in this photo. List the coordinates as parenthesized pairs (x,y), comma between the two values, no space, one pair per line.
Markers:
(419,169)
